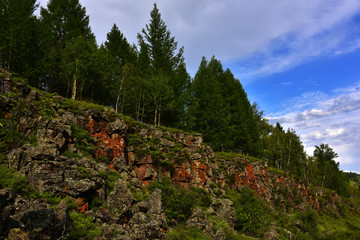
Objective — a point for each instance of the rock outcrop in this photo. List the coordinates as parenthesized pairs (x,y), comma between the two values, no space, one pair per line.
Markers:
(100,163)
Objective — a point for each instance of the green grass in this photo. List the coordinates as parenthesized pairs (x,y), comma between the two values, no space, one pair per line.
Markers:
(70,154)
(77,106)
(340,228)
(277,171)
(230,156)
(187,233)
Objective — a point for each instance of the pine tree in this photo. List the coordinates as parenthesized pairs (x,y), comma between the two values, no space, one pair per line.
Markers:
(62,21)
(165,63)
(19,36)
(123,59)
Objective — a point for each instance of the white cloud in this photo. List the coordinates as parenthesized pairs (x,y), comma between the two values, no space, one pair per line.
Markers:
(332,119)
(258,37)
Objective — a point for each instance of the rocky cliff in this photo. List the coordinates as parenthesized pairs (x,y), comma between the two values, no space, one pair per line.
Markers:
(87,165)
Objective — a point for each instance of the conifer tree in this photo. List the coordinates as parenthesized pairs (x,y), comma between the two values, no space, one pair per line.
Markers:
(123,59)
(19,36)
(165,64)
(62,21)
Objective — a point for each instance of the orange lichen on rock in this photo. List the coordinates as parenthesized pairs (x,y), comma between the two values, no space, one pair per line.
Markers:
(110,145)
(181,173)
(141,171)
(81,205)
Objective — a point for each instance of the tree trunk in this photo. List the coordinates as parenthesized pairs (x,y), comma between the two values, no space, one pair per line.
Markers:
(118,97)
(74,84)
(155,118)
(159,114)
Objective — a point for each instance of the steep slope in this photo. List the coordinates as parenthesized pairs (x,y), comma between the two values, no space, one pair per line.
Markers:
(81,170)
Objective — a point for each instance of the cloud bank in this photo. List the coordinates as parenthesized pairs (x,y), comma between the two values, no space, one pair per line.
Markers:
(254,37)
(331,118)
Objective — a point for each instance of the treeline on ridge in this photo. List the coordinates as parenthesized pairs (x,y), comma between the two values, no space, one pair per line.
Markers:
(57,52)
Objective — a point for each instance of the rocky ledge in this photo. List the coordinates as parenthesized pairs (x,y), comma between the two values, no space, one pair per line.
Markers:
(100,166)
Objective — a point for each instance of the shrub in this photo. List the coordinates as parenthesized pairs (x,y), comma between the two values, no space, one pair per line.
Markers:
(179,202)
(134,139)
(83,227)
(19,184)
(70,154)
(83,172)
(111,178)
(248,210)
(84,142)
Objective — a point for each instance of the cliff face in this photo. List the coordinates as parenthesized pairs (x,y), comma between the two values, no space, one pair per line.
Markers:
(90,155)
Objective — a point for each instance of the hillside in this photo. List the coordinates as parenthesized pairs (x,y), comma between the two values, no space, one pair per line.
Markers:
(72,170)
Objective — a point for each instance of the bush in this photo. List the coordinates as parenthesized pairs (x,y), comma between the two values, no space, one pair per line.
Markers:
(83,227)
(70,154)
(110,180)
(19,184)
(84,142)
(249,210)
(179,202)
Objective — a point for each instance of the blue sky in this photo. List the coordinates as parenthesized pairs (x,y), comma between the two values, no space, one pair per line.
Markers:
(299,60)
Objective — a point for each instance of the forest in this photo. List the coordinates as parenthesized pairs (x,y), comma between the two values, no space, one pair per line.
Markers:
(148,81)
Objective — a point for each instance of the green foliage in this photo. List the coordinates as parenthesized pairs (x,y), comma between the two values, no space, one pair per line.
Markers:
(53,200)
(347,227)
(134,139)
(248,209)
(83,141)
(70,154)
(18,183)
(83,172)
(220,110)
(179,202)
(110,180)
(167,165)
(187,233)
(309,221)
(230,156)
(83,227)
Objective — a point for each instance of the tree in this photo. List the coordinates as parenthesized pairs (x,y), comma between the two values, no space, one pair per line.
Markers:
(123,58)
(119,48)
(75,62)
(161,45)
(62,21)
(160,93)
(218,107)
(19,38)
(329,174)
(325,157)
(165,62)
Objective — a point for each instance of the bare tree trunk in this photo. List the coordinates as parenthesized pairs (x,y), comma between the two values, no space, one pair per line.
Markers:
(117,102)
(118,97)
(81,89)
(10,52)
(74,84)
(138,106)
(155,119)
(289,157)
(159,114)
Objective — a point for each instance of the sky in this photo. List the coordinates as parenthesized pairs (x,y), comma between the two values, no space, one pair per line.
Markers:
(298,60)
